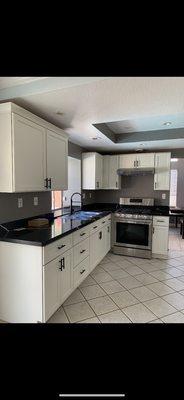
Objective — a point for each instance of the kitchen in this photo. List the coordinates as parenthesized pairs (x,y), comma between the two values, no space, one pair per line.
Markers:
(101,255)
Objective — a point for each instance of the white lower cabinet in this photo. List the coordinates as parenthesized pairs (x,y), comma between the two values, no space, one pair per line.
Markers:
(35,281)
(160,235)
(57,282)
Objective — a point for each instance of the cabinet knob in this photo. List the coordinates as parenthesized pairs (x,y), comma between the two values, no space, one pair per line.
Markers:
(60,247)
(49,183)
(82,251)
(81,272)
(100,235)
(46,183)
(82,234)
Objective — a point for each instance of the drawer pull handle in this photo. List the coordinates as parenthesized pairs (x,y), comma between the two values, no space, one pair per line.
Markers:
(103,222)
(95,227)
(60,247)
(81,272)
(82,234)
(82,251)
(62,262)
(160,220)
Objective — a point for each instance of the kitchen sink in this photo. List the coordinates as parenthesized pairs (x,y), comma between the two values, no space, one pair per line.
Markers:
(83,215)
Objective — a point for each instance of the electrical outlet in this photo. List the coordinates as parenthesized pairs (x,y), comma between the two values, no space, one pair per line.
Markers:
(20,202)
(35,201)
(163,196)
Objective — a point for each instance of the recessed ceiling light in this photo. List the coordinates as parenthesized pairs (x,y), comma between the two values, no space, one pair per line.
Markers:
(59,113)
(95,138)
(167,123)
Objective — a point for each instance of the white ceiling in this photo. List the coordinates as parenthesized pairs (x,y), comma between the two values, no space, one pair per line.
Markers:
(145,101)
(9,81)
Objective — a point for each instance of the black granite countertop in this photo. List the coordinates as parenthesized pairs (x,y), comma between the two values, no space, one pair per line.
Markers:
(112,207)
(58,227)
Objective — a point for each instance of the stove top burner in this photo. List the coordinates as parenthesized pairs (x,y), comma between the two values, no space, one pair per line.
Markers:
(135,210)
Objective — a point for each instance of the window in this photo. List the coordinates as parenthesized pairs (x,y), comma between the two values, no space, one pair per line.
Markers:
(61,198)
(173,188)
(74,182)
(57,199)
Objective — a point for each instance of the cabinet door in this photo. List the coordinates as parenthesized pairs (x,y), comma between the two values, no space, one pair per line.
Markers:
(65,276)
(114,179)
(105,180)
(28,155)
(127,161)
(98,170)
(51,287)
(162,171)
(145,160)
(160,240)
(107,229)
(96,248)
(57,161)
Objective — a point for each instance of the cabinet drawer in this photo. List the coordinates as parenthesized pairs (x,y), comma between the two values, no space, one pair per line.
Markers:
(81,272)
(56,248)
(80,235)
(161,221)
(105,220)
(95,226)
(81,251)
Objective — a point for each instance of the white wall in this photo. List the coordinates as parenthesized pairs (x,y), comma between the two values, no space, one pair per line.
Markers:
(74,181)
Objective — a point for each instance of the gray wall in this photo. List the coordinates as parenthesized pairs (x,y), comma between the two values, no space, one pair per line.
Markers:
(179,165)
(8,201)
(131,186)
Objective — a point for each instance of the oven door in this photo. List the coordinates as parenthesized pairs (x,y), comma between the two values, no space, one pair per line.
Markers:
(133,233)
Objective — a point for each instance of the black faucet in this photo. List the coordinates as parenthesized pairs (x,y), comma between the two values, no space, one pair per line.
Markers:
(71,203)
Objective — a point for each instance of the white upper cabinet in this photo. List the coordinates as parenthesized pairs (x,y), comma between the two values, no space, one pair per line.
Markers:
(33,152)
(145,160)
(162,171)
(111,180)
(92,171)
(28,155)
(128,161)
(57,161)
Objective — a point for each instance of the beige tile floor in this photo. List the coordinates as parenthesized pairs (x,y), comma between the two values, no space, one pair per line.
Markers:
(128,289)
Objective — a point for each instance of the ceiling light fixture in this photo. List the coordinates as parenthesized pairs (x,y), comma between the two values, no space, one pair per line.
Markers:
(59,113)
(167,123)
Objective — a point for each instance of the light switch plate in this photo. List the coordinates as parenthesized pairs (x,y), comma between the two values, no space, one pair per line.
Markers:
(20,202)
(35,201)
(163,196)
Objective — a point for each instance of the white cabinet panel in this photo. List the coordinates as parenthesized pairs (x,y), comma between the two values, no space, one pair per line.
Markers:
(160,240)
(65,276)
(91,171)
(57,161)
(28,155)
(162,171)
(145,160)
(51,287)
(97,244)
(57,282)
(127,161)
(111,180)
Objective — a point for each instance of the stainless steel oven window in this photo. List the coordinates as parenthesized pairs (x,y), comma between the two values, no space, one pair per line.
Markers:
(134,233)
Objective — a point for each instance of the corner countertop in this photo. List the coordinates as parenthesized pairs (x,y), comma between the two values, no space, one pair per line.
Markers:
(58,227)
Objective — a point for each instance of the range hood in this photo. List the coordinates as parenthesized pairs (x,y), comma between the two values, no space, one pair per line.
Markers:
(135,171)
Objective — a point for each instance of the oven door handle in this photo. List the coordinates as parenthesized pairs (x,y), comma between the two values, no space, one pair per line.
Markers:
(134,221)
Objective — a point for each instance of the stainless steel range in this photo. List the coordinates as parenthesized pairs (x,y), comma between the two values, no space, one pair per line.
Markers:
(132,227)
